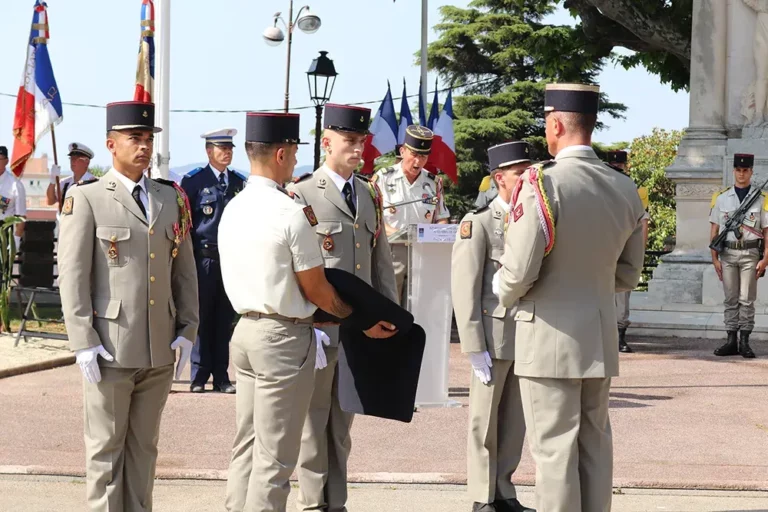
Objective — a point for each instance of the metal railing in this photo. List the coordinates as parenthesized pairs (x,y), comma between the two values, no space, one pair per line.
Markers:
(649,264)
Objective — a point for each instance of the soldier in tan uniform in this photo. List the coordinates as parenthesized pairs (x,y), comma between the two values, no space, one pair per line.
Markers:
(274,275)
(618,160)
(129,296)
(351,236)
(743,261)
(574,239)
(411,195)
(487,334)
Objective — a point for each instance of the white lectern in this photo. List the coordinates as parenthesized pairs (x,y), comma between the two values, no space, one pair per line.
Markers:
(429,300)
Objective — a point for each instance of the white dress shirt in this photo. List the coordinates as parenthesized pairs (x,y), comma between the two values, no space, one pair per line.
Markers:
(339,181)
(216,173)
(264,239)
(143,197)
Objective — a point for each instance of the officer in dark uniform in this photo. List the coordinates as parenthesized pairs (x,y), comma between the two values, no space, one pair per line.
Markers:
(209,189)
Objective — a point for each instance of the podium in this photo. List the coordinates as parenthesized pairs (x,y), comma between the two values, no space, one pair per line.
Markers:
(429,300)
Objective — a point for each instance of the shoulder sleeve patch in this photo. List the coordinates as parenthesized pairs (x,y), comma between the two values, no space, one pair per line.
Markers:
(485,184)
(465,230)
(69,203)
(310,214)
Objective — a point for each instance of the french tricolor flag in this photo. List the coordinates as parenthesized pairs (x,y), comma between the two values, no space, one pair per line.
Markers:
(145,69)
(405,117)
(38,104)
(382,136)
(443,155)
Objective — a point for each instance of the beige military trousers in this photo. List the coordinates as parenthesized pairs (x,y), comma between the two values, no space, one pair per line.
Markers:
(740,287)
(622,309)
(275,363)
(122,427)
(496,434)
(400,265)
(570,437)
(325,444)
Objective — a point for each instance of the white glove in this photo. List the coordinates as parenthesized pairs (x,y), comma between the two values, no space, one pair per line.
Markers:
(87,359)
(481,365)
(321,339)
(186,351)
(55,173)
(495,283)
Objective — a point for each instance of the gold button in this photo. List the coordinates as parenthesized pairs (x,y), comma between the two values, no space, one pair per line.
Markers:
(151,231)
(357,245)
(357,226)
(152,279)
(485,311)
(327,231)
(95,313)
(357,266)
(114,238)
(152,255)
(151,302)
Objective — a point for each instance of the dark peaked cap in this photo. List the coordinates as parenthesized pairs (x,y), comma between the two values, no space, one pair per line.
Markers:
(376,377)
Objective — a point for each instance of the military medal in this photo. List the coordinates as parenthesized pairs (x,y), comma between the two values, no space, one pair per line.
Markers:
(328,243)
(207,210)
(428,215)
(112,252)
(174,252)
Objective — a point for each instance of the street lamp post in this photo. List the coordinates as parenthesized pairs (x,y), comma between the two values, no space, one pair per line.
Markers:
(307,22)
(321,78)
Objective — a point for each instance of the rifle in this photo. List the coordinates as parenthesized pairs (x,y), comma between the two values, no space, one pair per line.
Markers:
(733,223)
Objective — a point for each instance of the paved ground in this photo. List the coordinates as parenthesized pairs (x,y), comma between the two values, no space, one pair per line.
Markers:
(681,419)
(35,494)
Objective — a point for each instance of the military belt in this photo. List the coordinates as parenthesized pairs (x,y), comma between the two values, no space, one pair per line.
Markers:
(275,316)
(743,245)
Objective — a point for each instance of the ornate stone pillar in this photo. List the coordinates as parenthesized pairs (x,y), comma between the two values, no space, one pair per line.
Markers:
(698,169)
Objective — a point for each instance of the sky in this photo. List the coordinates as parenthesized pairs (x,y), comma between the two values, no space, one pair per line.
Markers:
(220,61)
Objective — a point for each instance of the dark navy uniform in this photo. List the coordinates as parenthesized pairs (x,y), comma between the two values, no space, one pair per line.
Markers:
(209,191)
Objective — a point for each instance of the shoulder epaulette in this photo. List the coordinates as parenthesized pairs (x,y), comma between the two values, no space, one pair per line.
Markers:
(241,175)
(164,181)
(716,195)
(363,177)
(87,182)
(615,168)
(481,209)
(193,172)
(301,178)
(643,193)
(388,170)
(431,176)
(485,185)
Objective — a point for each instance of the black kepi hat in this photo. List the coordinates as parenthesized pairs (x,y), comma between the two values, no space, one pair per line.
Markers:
(272,128)
(131,115)
(508,153)
(616,157)
(4,151)
(418,139)
(743,160)
(346,118)
(581,98)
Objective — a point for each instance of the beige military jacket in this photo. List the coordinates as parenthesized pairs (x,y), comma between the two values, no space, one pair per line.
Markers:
(574,239)
(120,284)
(348,242)
(483,323)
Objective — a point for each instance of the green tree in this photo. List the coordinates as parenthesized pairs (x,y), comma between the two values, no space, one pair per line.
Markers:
(98,170)
(648,157)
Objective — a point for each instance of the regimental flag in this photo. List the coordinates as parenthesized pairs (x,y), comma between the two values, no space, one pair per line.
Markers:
(382,136)
(405,116)
(145,69)
(38,103)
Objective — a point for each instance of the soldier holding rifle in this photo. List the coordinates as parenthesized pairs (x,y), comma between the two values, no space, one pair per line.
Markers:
(739,224)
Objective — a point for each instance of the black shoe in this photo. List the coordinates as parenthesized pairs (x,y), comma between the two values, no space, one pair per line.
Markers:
(730,347)
(511,505)
(224,388)
(197,388)
(484,507)
(623,347)
(744,349)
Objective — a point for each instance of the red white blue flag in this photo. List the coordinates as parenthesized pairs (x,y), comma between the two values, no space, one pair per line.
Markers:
(405,116)
(38,104)
(382,134)
(145,70)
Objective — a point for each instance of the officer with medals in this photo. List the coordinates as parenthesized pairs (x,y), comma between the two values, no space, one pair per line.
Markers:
(129,298)
(742,261)
(402,185)
(209,189)
(487,334)
(574,239)
(13,196)
(80,157)
(351,234)
(618,159)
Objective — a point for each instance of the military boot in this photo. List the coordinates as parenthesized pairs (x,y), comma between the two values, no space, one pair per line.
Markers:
(511,505)
(483,507)
(744,349)
(623,347)
(730,347)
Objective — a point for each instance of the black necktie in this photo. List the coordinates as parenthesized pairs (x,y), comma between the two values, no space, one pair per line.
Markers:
(222,183)
(347,192)
(137,197)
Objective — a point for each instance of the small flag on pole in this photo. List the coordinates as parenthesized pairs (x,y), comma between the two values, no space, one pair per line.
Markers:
(405,116)
(145,70)
(38,104)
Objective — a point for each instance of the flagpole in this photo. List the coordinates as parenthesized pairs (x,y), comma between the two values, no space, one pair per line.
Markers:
(162,88)
(56,162)
(424,34)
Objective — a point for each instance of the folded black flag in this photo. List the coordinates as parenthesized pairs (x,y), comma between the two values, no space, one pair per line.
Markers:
(376,377)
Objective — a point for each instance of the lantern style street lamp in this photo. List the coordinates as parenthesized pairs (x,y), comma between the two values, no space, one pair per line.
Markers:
(321,78)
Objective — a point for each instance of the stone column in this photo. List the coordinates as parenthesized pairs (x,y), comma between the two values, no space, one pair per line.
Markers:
(698,169)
